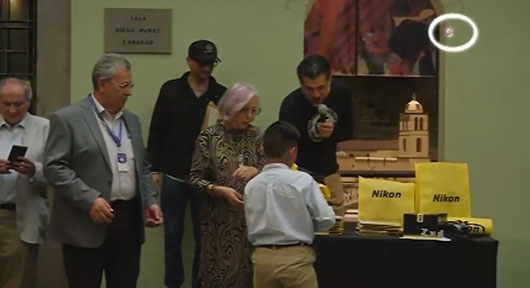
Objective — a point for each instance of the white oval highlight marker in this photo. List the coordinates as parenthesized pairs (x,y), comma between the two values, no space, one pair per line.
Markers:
(456,16)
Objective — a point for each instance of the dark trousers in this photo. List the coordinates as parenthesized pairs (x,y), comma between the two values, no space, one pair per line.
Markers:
(174,199)
(118,256)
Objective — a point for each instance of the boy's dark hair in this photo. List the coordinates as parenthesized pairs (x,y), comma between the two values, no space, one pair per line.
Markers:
(313,66)
(279,137)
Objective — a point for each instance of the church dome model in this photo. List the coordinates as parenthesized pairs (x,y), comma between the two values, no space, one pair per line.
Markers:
(414,106)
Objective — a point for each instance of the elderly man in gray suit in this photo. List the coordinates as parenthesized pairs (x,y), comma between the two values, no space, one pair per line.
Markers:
(104,193)
(23,208)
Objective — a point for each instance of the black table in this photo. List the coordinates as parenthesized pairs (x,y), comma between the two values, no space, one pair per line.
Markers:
(375,262)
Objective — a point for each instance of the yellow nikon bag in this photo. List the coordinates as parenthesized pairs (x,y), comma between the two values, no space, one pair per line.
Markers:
(384,201)
(443,187)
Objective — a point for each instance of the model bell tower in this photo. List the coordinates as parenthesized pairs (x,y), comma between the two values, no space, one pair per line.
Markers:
(414,131)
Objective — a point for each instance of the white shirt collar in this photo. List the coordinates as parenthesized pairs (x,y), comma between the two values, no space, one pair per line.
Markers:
(102,109)
(275,165)
(22,123)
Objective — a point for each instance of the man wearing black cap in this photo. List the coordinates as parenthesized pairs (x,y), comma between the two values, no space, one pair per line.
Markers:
(176,122)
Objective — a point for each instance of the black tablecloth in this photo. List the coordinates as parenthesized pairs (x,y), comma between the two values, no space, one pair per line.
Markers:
(373,262)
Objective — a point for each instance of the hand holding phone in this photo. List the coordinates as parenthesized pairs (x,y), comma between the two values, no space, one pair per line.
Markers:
(4,166)
(19,163)
(24,166)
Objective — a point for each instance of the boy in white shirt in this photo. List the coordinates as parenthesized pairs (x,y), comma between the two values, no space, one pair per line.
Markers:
(283,209)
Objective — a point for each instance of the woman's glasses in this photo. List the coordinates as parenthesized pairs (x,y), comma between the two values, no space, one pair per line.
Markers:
(252,111)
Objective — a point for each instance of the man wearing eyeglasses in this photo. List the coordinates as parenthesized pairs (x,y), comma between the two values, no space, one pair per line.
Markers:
(176,122)
(321,109)
(23,205)
(104,192)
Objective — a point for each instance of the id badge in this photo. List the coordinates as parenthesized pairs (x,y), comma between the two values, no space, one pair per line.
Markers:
(123,165)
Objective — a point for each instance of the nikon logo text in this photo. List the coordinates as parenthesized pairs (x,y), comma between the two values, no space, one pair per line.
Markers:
(476,228)
(445,198)
(385,194)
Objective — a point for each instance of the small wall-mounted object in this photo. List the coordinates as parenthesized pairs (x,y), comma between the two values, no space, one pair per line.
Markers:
(131,30)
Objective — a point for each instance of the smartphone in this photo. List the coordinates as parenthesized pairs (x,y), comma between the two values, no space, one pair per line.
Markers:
(17,151)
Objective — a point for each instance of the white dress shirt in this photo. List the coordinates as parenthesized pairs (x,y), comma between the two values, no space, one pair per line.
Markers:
(283,207)
(9,136)
(123,182)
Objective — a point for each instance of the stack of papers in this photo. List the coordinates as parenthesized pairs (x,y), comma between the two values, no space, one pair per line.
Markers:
(351,215)
(366,228)
(337,229)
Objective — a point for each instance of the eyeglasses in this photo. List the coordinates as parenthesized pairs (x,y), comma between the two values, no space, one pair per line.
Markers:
(253,111)
(123,85)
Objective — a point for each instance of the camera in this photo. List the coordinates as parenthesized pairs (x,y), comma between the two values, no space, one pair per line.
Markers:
(455,228)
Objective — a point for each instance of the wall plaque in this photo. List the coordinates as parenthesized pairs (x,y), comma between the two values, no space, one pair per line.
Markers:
(130,30)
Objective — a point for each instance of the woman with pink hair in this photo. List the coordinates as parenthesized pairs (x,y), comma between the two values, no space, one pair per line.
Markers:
(227,156)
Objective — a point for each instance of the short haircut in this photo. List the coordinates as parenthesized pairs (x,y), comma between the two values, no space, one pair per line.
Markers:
(28,92)
(107,66)
(235,99)
(313,66)
(279,137)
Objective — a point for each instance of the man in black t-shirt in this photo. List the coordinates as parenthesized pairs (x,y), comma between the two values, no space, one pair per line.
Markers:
(321,110)
(177,120)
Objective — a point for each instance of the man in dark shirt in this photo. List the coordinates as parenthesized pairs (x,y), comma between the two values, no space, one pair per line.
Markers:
(176,122)
(321,110)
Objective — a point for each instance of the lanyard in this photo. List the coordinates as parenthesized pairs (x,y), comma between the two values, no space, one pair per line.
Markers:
(115,138)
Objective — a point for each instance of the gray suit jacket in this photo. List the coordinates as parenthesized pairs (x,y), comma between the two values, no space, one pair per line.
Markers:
(32,208)
(77,165)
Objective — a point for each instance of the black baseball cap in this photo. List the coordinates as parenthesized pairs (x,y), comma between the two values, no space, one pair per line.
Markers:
(203,51)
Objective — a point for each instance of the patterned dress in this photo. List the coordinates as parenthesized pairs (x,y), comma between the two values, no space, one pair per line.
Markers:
(225,250)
